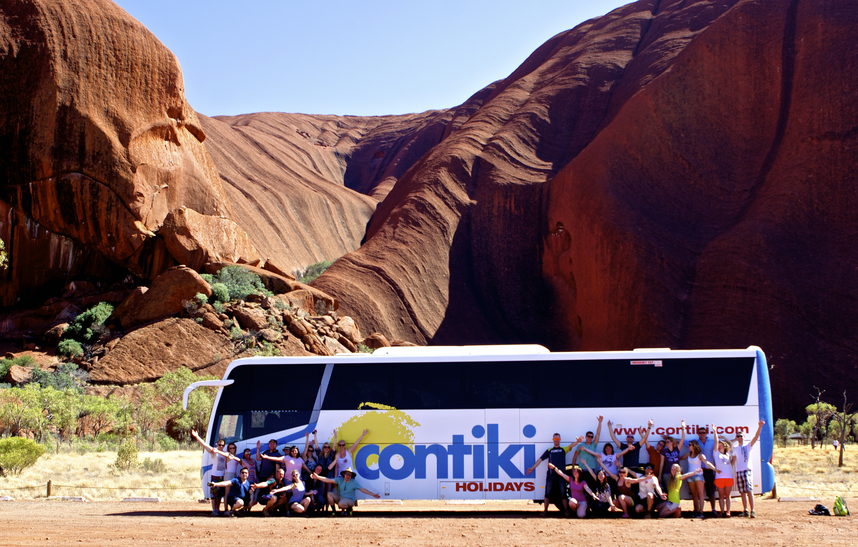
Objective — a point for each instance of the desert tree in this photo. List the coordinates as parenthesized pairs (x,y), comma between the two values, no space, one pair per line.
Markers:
(845,422)
(818,413)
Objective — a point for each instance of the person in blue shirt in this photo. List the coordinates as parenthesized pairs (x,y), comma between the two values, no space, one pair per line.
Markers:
(347,488)
(237,492)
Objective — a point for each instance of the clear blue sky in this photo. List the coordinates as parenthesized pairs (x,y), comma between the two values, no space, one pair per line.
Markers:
(340,57)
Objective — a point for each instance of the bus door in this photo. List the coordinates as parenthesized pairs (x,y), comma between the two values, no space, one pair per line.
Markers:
(504,454)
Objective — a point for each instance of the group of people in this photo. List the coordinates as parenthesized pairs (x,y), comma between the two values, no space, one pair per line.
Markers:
(318,479)
(615,480)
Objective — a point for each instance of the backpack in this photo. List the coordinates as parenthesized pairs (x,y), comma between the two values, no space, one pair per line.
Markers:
(840,508)
(820,510)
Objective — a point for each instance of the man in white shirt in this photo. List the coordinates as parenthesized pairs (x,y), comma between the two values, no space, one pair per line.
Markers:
(744,478)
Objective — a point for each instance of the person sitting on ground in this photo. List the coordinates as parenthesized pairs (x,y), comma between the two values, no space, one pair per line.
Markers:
(577,487)
(318,490)
(247,462)
(237,494)
(272,501)
(218,470)
(602,495)
(296,493)
(347,489)
(649,489)
(627,493)
(670,507)
(343,459)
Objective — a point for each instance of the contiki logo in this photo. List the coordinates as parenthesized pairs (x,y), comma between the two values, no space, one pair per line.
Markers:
(690,429)
(486,464)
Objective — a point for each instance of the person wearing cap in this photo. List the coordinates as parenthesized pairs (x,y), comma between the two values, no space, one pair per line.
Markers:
(555,486)
(237,492)
(744,478)
(267,495)
(347,489)
(707,448)
(268,467)
(631,459)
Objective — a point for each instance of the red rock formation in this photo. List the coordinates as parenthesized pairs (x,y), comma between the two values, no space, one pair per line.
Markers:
(99,144)
(671,174)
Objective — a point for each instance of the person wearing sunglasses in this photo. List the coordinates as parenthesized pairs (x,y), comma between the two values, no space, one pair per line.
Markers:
(218,470)
(326,458)
(649,489)
(344,455)
(591,442)
(744,477)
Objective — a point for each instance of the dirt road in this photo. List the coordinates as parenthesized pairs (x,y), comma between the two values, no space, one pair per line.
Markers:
(57,523)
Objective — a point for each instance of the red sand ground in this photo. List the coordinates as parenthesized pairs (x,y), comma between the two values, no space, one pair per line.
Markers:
(414,523)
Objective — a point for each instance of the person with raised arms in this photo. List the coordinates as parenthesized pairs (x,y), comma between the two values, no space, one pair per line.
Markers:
(631,458)
(343,456)
(744,478)
(724,461)
(554,487)
(592,443)
(577,489)
(696,460)
(649,489)
(237,493)
(347,488)
(670,507)
(670,456)
(707,448)
(627,497)
(218,470)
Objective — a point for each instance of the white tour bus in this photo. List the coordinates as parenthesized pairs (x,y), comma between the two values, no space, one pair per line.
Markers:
(467,422)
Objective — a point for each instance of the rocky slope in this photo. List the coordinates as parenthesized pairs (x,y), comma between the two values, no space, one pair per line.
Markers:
(671,174)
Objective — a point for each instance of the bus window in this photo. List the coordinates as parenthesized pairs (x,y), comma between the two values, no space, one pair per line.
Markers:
(498,385)
(435,386)
(354,384)
(229,428)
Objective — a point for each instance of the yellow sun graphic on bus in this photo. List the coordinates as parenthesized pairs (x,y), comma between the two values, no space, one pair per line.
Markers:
(386,425)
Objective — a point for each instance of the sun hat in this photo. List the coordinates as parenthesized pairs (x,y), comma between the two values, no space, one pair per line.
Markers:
(348,470)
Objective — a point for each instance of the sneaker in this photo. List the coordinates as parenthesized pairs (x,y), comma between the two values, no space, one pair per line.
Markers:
(227,514)
(745,514)
(753,514)
(266,513)
(215,514)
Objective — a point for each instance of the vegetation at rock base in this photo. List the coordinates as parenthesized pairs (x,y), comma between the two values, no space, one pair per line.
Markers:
(87,326)
(18,453)
(239,282)
(313,271)
(69,348)
(22,361)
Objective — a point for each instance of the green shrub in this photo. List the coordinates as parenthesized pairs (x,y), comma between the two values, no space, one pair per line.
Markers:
(235,332)
(88,325)
(22,361)
(18,453)
(312,272)
(364,348)
(201,299)
(208,278)
(166,442)
(227,323)
(267,349)
(280,305)
(126,456)
(240,282)
(69,349)
(66,376)
(154,466)
(218,307)
(220,292)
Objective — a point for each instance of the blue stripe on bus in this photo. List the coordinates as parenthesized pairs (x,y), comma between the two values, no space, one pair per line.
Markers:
(767,434)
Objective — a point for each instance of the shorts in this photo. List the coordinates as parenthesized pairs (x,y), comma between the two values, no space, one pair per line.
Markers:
(341,502)
(215,491)
(600,507)
(671,506)
(694,478)
(555,486)
(744,482)
(723,483)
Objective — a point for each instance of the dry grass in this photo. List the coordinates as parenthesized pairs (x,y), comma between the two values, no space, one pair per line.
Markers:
(91,476)
(801,472)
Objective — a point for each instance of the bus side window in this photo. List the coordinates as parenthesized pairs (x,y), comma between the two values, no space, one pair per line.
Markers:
(498,385)
(354,384)
(430,386)
(230,428)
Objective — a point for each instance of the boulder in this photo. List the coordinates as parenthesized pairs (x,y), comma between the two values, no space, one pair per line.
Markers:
(18,375)
(333,346)
(211,321)
(348,328)
(270,335)
(278,284)
(194,239)
(376,340)
(348,344)
(251,318)
(167,296)
(54,334)
(145,354)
